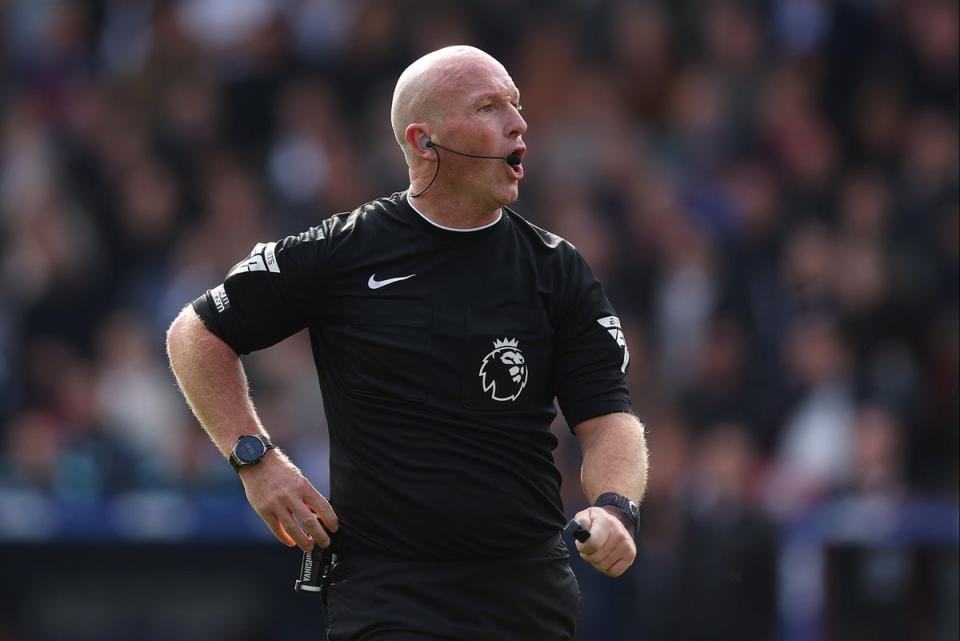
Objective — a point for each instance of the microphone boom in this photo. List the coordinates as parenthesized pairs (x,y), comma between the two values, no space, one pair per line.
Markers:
(513,160)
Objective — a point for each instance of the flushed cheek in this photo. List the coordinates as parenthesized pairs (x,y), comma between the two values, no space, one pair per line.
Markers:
(471,135)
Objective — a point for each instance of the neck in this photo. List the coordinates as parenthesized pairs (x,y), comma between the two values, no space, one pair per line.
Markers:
(452,208)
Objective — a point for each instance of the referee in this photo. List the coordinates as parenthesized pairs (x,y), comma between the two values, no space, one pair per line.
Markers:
(443,325)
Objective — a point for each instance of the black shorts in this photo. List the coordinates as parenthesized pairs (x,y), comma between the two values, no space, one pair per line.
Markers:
(532,598)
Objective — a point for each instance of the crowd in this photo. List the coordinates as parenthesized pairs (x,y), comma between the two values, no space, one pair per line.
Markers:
(767,189)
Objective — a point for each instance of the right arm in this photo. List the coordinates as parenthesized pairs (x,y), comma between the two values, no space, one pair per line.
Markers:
(212,379)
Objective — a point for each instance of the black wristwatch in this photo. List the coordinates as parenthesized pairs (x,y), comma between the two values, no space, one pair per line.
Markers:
(249,450)
(627,510)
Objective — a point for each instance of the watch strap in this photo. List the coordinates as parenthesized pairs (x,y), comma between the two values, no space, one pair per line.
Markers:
(623,508)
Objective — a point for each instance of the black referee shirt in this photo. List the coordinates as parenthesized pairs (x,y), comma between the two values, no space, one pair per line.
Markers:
(439,354)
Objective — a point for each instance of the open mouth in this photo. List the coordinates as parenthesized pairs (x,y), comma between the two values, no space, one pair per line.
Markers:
(518,168)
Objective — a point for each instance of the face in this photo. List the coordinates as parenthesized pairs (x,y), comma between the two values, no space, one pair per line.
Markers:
(481,115)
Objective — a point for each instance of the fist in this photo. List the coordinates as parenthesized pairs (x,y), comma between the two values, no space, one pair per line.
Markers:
(610,548)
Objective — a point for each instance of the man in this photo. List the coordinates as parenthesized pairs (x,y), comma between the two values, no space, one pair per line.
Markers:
(443,325)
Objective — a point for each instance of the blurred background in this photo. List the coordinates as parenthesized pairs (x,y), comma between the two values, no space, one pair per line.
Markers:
(767,189)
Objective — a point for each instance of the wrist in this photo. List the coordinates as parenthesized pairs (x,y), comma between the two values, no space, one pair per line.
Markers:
(270,458)
(623,509)
(250,450)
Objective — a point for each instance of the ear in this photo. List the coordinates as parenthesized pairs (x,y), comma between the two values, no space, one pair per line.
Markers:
(416,136)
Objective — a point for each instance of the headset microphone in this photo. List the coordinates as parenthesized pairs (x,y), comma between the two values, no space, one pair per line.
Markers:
(513,160)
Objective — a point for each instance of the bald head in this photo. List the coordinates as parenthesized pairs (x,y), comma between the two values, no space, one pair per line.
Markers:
(425,88)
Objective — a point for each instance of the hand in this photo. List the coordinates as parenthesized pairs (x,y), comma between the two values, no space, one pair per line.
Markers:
(610,548)
(288,503)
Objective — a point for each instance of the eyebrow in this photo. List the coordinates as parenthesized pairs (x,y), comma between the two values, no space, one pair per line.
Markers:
(497,95)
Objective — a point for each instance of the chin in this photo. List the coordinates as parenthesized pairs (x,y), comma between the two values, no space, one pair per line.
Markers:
(508,195)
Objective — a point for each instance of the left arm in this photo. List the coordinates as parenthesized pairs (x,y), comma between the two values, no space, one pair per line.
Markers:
(591,363)
(614,460)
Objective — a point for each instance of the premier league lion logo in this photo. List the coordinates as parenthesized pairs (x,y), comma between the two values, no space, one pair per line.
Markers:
(504,370)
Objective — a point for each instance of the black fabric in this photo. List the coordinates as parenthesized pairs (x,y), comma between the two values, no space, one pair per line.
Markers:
(439,355)
(372,598)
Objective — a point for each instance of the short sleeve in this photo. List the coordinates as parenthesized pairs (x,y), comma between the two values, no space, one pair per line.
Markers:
(271,294)
(590,351)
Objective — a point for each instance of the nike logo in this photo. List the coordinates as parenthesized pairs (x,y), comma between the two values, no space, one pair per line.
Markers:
(373,283)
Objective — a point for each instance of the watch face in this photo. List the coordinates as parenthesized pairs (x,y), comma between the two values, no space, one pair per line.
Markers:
(249,449)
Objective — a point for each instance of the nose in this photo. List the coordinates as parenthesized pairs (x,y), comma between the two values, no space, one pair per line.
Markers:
(518,124)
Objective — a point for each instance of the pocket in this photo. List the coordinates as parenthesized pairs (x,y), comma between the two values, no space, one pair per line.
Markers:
(507,360)
(379,348)
(341,618)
